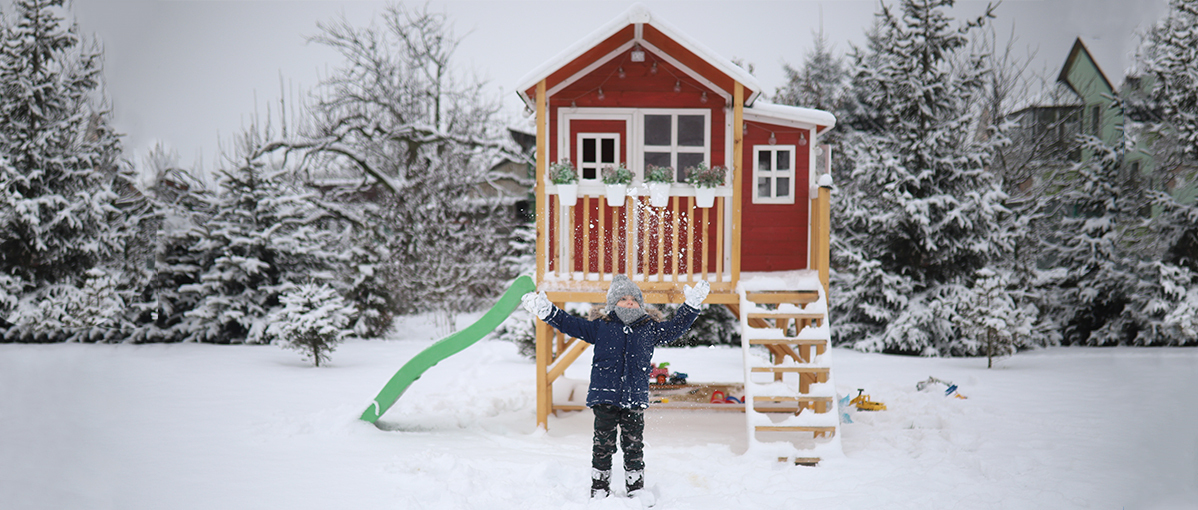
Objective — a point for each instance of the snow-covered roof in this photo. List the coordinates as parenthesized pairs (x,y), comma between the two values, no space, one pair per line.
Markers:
(803,117)
(637,14)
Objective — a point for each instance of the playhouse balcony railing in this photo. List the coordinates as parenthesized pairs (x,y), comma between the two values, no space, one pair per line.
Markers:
(659,247)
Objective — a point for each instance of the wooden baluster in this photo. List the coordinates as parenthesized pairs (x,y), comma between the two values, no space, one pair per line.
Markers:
(629,245)
(661,245)
(586,236)
(719,239)
(675,258)
(690,239)
(706,240)
(603,241)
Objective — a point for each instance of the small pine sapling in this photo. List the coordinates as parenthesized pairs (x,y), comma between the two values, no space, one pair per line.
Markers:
(313,320)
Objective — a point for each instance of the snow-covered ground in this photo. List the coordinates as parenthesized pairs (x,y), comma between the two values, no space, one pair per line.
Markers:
(203,426)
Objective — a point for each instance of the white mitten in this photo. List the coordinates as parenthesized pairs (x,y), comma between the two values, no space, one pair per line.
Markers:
(537,304)
(695,296)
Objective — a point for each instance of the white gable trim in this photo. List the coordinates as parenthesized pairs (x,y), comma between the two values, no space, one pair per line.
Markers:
(636,15)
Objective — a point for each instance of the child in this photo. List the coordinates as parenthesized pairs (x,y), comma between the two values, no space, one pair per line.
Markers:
(624,338)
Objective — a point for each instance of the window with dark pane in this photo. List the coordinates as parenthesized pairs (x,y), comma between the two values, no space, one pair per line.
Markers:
(687,160)
(608,151)
(783,160)
(657,159)
(783,189)
(588,162)
(763,161)
(658,130)
(690,131)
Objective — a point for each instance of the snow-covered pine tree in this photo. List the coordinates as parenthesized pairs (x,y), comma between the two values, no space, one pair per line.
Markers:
(917,216)
(265,237)
(821,83)
(183,205)
(1170,57)
(57,205)
(313,319)
(1093,247)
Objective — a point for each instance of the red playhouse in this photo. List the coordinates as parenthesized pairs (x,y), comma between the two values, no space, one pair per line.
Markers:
(639,93)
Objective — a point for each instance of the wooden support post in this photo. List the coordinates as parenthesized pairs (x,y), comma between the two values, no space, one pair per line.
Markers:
(738,149)
(823,224)
(542,201)
(544,388)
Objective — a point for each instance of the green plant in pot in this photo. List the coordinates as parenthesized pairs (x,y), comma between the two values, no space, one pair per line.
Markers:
(617,180)
(564,175)
(659,179)
(705,180)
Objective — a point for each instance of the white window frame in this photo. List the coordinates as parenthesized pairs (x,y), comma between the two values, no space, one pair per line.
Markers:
(598,137)
(758,174)
(674,149)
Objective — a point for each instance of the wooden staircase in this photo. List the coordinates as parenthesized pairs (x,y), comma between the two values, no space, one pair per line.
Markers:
(794,370)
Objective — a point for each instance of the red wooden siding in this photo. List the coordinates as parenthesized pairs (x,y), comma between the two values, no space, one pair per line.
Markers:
(688,59)
(774,236)
(638,89)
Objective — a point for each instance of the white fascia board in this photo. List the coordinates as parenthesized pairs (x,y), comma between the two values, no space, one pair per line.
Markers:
(718,61)
(636,15)
(796,116)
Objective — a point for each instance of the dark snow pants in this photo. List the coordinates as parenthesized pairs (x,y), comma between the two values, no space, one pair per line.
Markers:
(631,423)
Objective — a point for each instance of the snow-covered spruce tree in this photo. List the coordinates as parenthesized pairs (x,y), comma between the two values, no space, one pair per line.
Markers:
(1093,247)
(397,112)
(1168,61)
(265,237)
(183,205)
(56,204)
(916,218)
(822,82)
(1170,57)
(313,319)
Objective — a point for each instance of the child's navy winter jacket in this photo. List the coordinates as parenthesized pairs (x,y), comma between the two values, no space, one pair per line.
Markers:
(623,353)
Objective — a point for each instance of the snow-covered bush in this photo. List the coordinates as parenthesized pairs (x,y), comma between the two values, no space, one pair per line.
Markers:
(519,328)
(313,320)
(65,312)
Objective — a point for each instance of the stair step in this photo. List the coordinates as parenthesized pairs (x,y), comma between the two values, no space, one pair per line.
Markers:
(791,398)
(791,369)
(776,298)
(795,428)
(786,315)
(801,461)
(788,341)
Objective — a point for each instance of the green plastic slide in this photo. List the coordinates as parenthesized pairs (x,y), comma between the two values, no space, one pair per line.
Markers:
(447,347)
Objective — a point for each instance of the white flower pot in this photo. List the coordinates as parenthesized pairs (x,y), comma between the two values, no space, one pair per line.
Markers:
(568,194)
(659,194)
(616,194)
(704,197)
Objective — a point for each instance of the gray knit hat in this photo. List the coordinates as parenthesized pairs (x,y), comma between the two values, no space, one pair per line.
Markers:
(622,286)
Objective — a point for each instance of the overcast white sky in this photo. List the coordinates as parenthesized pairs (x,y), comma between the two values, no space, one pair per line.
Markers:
(189,73)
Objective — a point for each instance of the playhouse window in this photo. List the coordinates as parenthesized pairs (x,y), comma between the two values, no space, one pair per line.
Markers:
(595,151)
(773,173)
(678,140)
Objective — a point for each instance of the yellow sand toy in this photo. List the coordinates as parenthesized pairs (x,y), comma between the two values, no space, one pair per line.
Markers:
(865,404)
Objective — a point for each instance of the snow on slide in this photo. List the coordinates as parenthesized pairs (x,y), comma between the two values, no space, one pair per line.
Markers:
(446,347)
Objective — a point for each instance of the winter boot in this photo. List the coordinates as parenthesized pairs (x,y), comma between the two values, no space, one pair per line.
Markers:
(600,483)
(635,481)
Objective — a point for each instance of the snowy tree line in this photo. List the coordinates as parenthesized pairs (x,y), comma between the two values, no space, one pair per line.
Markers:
(941,246)
(367,200)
